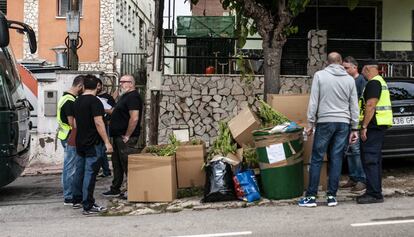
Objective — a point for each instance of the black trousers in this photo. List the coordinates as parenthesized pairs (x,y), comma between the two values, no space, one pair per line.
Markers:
(372,161)
(120,159)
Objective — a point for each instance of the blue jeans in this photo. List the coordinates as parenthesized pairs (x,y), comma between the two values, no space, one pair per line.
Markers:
(69,167)
(335,136)
(87,167)
(372,161)
(105,163)
(356,171)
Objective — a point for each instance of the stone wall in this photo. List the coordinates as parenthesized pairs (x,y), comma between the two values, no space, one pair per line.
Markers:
(317,55)
(199,102)
(31,17)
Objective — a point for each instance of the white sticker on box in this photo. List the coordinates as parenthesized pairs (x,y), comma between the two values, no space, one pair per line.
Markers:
(275,153)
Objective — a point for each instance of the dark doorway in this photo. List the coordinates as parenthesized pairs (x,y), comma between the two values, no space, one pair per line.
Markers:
(340,22)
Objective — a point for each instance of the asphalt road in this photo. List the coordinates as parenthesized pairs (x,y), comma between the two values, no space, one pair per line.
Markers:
(32,206)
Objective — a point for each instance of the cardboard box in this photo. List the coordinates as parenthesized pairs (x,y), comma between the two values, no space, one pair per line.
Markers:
(294,107)
(151,178)
(190,159)
(242,126)
(307,150)
(323,179)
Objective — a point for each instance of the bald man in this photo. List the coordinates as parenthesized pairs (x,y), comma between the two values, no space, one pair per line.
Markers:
(125,130)
(333,112)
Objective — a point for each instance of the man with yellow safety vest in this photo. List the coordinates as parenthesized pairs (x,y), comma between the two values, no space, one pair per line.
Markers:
(65,119)
(375,118)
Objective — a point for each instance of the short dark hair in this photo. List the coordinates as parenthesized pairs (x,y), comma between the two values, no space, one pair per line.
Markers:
(78,80)
(90,82)
(99,81)
(351,60)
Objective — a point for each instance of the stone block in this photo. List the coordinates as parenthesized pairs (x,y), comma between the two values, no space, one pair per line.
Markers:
(204,91)
(206,98)
(203,80)
(170,107)
(218,110)
(217,98)
(240,97)
(224,91)
(228,83)
(187,88)
(189,101)
(220,84)
(214,104)
(237,90)
(187,116)
(213,91)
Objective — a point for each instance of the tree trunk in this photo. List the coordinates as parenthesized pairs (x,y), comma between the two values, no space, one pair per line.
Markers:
(272,61)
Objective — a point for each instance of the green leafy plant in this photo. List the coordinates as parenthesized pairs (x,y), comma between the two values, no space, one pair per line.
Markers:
(269,116)
(250,158)
(224,144)
(195,142)
(165,150)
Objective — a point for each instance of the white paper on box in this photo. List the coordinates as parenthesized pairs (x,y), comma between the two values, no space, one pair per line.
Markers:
(275,153)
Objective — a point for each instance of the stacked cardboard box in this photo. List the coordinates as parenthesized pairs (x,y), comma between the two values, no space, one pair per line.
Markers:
(295,108)
(242,126)
(190,159)
(151,178)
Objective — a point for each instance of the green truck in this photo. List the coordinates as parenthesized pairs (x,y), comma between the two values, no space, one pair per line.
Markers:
(14,107)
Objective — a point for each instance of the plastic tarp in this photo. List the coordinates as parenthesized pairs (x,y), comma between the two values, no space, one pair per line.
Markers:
(206,26)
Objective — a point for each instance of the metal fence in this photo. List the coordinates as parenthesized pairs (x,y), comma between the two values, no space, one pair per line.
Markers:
(133,63)
(184,55)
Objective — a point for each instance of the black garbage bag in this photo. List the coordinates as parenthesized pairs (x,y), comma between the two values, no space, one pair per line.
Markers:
(219,182)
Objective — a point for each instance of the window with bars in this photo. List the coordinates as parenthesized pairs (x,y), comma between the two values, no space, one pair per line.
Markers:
(3,6)
(63,7)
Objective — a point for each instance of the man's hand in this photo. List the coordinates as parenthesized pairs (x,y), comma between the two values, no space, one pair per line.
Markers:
(309,131)
(353,137)
(125,139)
(364,134)
(109,148)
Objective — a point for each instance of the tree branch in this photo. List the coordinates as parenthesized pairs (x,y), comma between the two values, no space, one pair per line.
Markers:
(285,19)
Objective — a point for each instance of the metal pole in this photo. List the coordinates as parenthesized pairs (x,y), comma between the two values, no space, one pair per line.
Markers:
(72,17)
(169,14)
(173,20)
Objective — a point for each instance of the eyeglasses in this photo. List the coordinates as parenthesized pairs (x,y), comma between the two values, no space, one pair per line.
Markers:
(125,82)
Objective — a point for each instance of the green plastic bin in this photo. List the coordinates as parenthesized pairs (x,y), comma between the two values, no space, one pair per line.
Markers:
(282,179)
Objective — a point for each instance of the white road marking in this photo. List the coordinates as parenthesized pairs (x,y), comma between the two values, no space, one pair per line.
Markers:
(219,234)
(382,223)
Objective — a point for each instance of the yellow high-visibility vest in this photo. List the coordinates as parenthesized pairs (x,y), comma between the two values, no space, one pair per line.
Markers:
(383,110)
(64,128)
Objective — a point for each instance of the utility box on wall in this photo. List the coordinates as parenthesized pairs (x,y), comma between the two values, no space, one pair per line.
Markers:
(50,103)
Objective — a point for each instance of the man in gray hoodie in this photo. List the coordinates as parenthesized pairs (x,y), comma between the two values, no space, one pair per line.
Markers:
(333,111)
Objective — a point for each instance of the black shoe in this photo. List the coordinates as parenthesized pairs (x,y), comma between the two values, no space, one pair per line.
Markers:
(104,175)
(367,199)
(68,202)
(96,209)
(112,193)
(77,206)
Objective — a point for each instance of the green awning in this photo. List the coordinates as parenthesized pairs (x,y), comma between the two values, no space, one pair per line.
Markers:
(206,26)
